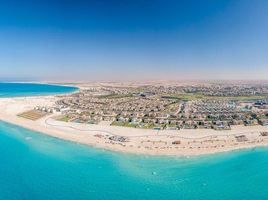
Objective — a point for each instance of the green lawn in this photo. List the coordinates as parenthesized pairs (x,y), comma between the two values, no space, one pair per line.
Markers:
(64,118)
(127,124)
(114,96)
(196,96)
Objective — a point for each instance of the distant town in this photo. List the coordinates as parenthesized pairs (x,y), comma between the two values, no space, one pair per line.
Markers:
(201,106)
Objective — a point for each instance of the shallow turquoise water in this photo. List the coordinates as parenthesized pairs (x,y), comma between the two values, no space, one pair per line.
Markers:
(34,166)
(30,89)
(38,167)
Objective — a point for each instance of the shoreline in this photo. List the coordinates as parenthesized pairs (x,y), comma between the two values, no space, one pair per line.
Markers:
(136,153)
(146,142)
(75,89)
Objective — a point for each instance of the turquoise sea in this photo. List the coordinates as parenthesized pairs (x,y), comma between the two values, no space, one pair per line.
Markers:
(39,167)
(31,89)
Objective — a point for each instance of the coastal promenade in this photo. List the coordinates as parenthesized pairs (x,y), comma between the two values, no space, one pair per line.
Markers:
(138,141)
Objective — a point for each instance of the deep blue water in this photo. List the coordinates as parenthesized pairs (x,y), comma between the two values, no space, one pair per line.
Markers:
(30,89)
(37,167)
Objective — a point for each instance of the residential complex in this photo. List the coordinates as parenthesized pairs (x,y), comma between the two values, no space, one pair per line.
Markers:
(204,106)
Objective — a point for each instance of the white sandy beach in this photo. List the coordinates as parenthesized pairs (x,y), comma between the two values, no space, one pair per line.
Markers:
(141,141)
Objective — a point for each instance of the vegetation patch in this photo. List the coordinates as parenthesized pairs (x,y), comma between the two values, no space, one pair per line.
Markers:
(114,96)
(196,96)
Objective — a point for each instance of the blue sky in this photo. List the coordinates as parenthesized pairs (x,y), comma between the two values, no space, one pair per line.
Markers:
(133,39)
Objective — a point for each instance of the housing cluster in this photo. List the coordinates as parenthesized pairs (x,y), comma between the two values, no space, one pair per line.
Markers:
(206,106)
